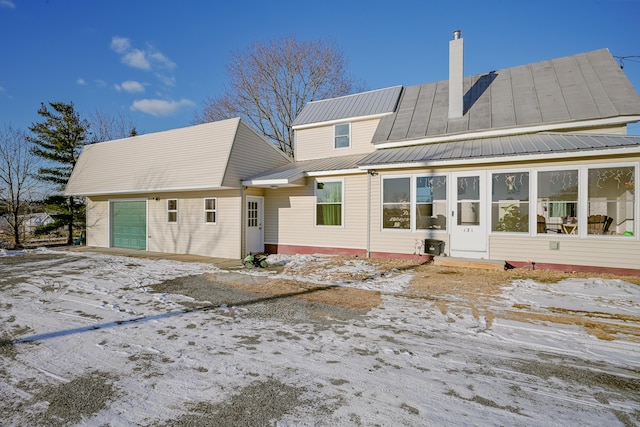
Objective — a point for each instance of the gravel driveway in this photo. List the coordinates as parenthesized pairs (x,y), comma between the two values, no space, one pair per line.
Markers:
(89,339)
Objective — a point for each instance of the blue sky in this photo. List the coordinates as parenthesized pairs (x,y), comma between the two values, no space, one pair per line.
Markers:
(157,61)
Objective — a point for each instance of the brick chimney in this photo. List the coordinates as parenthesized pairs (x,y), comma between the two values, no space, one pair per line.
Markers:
(456,75)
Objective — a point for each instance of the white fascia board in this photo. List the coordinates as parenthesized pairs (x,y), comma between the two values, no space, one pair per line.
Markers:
(149,190)
(343,120)
(507,158)
(511,131)
(335,172)
(268,182)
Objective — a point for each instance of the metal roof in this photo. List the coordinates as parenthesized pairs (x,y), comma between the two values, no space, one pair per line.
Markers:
(363,104)
(491,148)
(287,175)
(587,86)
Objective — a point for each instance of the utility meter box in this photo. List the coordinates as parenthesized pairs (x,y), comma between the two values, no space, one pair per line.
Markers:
(433,247)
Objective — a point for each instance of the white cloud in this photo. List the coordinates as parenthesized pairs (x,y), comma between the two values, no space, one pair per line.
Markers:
(160,107)
(130,86)
(7,3)
(145,59)
(81,82)
(120,44)
(136,59)
(1,89)
(161,61)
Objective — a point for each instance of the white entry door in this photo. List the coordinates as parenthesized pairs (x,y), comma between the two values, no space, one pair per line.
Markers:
(468,215)
(255,218)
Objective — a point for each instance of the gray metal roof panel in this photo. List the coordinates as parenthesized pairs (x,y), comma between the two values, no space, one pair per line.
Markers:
(357,105)
(586,86)
(547,142)
(296,170)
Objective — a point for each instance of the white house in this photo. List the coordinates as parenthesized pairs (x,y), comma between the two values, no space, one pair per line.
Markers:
(530,163)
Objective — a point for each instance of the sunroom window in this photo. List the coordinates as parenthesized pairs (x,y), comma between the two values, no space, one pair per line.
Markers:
(329,203)
(611,201)
(558,201)
(396,203)
(431,203)
(510,202)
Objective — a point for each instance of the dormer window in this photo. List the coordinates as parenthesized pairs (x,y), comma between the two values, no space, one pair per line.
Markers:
(342,135)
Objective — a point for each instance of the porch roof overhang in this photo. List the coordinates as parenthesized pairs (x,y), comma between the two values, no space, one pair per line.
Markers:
(294,174)
(530,147)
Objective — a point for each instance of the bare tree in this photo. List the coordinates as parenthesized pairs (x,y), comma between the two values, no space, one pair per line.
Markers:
(18,183)
(104,127)
(270,82)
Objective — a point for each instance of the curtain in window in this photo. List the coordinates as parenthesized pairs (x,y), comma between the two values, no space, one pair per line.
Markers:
(329,203)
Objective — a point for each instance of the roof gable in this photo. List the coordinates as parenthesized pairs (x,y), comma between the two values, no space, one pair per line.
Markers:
(573,89)
(190,158)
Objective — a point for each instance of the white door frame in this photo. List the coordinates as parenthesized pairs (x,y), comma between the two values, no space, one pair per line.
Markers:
(254,224)
(469,214)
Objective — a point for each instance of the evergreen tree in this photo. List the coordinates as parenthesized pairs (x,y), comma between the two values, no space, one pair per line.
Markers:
(59,139)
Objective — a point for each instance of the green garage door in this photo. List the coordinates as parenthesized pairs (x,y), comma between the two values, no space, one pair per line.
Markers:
(129,224)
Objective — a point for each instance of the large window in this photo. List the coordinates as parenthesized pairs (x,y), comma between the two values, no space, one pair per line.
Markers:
(210,210)
(510,202)
(342,135)
(329,203)
(172,210)
(611,201)
(396,203)
(431,202)
(558,200)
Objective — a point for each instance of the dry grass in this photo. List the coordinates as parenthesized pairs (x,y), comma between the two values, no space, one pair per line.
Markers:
(454,291)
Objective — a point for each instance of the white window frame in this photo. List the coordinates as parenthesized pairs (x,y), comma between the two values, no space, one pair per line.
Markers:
(412,207)
(172,211)
(335,135)
(315,201)
(533,200)
(214,210)
(583,199)
(414,203)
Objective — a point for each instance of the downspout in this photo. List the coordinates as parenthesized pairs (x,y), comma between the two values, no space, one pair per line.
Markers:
(243,228)
(368,243)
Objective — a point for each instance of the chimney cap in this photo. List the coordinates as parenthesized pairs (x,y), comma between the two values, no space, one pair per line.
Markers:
(457,34)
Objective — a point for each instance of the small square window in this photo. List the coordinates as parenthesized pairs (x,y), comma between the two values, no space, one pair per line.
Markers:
(342,135)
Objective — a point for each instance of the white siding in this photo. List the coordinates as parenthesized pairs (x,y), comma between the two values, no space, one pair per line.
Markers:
(318,143)
(602,252)
(290,216)
(251,155)
(191,235)
(97,222)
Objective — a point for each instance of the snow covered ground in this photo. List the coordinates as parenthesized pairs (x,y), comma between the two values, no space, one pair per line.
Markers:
(85,340)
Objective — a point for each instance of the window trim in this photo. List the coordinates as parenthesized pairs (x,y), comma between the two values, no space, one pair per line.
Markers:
(335,136)
(533,196)
(414,197)
(412,207)
(172,211)
(214,210)
(315,201)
